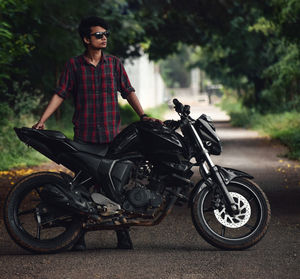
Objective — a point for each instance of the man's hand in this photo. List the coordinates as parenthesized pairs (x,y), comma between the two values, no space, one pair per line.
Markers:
(40,126)
(54,103)
(147,118)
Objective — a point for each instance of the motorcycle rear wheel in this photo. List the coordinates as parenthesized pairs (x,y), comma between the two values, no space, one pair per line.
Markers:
(35,225)
(238,232)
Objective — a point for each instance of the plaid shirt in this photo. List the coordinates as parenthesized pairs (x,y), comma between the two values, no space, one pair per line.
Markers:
(96,117)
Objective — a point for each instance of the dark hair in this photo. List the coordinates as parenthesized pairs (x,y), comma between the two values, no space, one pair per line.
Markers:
(85,25)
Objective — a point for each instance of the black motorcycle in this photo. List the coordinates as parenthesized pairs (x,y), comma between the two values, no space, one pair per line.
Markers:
(136,181)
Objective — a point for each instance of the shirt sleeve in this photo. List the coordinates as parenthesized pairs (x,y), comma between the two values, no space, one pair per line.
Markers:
(66,81)
(124,85)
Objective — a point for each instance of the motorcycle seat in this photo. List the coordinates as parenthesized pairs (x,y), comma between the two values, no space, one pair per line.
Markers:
(97,149)
(52,134)
(35,132)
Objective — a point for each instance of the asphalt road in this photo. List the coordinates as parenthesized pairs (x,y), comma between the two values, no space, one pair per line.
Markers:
(174,249)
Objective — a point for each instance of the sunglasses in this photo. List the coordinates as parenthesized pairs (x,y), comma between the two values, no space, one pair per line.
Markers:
(99,35)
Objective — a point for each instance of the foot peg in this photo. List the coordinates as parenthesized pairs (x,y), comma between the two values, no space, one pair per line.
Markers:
(108,207)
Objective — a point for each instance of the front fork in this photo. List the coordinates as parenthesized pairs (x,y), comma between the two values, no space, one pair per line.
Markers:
(229,202)
(215,173)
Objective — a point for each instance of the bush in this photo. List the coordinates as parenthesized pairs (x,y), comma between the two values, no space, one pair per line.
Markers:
(128,115)
(158,112)
(284,126)
(62,119)
(240,116)
(14,153)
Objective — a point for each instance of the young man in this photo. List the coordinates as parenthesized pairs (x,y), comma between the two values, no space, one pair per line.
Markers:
(94,80)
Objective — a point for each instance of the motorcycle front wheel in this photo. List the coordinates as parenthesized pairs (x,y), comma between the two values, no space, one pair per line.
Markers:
(232,232)
(35,225)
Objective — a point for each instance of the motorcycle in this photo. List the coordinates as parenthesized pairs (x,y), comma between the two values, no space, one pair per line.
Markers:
(135,181)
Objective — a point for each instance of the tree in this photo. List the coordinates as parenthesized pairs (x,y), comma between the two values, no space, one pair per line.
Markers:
(239,40)
(39,36)
(242,42)
(174,69)
(14,44)
(285,14)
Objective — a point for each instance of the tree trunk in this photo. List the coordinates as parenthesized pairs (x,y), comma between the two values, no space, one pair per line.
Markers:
(259,85)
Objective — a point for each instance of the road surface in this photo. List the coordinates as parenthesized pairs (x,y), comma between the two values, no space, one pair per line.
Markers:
(173,249)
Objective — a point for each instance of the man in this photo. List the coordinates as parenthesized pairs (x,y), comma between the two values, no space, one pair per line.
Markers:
(93,79)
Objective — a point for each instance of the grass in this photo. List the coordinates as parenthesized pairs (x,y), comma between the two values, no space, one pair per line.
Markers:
(283,126)
(15,154)
(158,112)
(128,115)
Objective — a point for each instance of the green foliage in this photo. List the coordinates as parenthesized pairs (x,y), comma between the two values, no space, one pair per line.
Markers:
(283,77)
(13,152)
(237,112)
(174,69)
(158,112)
(286,16)
(37,37)
(284,126)
(128,115)
(15,44)
(62,119)
(250,46)
(238,43)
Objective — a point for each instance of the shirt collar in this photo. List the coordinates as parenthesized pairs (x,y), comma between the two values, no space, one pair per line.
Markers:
(102,60)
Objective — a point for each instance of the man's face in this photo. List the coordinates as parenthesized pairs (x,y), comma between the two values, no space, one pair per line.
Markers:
(94,41)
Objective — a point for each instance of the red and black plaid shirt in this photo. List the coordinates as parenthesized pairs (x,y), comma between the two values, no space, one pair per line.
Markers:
(95,92)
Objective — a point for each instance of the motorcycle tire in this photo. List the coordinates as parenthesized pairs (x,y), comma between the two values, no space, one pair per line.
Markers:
(49,231)
(227,232)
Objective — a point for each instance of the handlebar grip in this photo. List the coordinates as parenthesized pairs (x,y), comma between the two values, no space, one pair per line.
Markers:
(176,102)
(178,105)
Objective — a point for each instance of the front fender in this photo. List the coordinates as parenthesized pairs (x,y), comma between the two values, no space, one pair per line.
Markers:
(227,174)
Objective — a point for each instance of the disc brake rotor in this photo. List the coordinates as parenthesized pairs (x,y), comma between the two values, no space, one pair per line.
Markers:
(238,220)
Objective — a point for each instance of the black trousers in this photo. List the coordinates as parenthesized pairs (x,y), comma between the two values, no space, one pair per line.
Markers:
(104,146)
(122,234)
(90,143)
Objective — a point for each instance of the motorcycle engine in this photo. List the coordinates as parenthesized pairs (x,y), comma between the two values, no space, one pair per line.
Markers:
(141,200)
(142,193)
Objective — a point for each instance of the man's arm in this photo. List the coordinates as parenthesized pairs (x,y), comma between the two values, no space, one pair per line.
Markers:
(53,105)
(133,100)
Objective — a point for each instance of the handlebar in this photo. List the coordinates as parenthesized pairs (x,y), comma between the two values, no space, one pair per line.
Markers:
(178,106)
(181,109)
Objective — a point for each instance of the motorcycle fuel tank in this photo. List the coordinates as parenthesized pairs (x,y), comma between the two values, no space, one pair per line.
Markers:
(152,139)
